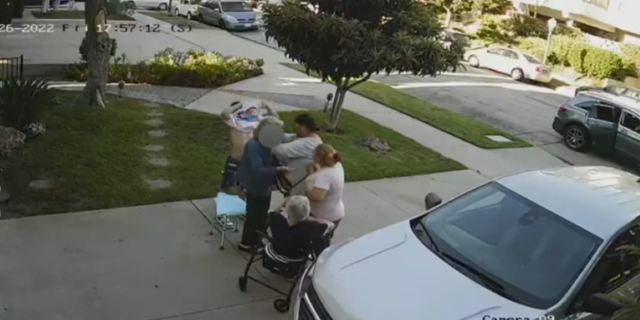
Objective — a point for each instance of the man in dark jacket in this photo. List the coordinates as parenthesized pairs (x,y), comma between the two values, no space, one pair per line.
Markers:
(257,175)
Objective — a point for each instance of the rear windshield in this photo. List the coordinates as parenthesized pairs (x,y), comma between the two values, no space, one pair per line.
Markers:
(530,58)
(235,6)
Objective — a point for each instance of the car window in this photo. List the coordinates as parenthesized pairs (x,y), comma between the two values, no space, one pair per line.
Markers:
(235,6)
(534,254)
(605,112)
(530,58)
(510,54)
(615,268)
(631,122)
(583,101)
(495,51)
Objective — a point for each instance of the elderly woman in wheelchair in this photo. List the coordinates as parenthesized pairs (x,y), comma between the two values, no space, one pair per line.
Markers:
(295,239)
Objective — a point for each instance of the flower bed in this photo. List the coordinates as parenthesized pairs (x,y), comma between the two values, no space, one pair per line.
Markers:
(174,68)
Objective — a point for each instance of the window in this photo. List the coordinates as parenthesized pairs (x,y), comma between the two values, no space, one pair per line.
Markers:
(532,253)
(495,51)
(606,112)
(530,58)
(615,268)
(584,102)
(631,122)
(510,54)
(235,6)
(213,5)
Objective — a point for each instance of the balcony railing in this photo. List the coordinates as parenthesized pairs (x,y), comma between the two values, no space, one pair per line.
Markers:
(604,4)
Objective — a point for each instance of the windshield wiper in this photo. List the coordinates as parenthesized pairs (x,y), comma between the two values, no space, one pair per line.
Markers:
(434,246)
(489,282)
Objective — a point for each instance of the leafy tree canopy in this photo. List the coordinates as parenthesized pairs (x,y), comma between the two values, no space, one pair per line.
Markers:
(353,39)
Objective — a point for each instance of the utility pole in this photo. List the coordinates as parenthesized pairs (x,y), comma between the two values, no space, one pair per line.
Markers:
(552,24)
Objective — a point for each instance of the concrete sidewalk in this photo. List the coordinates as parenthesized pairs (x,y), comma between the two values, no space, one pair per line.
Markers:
(159,262)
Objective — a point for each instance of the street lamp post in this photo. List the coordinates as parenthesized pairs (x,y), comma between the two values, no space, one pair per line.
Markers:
(552,24)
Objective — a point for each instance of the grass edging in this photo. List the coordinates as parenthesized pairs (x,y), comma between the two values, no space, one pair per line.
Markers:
(467,129)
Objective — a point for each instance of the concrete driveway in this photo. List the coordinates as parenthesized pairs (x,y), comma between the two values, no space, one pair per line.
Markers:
(524,110)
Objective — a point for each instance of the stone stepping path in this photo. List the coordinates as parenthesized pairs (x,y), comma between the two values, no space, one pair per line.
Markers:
(155,158)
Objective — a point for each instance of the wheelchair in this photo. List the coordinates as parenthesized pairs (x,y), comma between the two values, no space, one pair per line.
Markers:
(290,269)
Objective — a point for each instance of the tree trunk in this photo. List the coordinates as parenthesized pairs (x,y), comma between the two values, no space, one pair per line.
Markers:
(98,45)
(337,108)
(447,21)
(56,5)
(45,5)
(18,8)
(333,103)
(6,12)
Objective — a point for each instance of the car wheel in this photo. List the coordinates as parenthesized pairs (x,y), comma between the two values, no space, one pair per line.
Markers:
(473,61)
(188,15)
(576,138)
(517,74)
(222,24)
(162,7)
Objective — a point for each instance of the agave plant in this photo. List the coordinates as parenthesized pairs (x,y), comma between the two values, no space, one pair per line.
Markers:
(20,100)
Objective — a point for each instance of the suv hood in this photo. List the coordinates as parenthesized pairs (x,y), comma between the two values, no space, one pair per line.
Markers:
(390,274)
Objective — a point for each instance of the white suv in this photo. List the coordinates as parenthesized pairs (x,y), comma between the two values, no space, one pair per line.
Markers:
(535,245)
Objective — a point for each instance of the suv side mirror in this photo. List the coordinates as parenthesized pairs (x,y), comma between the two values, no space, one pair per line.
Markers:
(432,200)
(601,304)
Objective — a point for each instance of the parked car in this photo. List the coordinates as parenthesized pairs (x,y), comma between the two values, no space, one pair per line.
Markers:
(228,15)
(535,245)
(148,4)
(605,122)
(521,66)
(187,8)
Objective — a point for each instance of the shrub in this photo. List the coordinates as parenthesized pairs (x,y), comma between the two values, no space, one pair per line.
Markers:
(526,26)
(21,101)
(533,46)
(631,53)
(116,7)
(601,64)
(174,68)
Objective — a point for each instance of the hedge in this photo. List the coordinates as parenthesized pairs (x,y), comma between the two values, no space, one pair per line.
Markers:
(173,68)
(583,58)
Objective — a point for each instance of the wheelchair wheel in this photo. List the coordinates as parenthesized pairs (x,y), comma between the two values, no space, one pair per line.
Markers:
(281,305)
(242,283)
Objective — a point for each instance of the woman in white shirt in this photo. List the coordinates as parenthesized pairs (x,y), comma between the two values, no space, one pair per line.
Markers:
(326,186)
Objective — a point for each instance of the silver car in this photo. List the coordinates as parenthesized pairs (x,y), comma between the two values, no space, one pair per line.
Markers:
(520,65)
(228,15)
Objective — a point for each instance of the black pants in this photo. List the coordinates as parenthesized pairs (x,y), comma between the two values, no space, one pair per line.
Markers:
(257,218)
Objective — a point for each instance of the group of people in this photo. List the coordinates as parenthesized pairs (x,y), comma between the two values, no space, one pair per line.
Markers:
(311,170)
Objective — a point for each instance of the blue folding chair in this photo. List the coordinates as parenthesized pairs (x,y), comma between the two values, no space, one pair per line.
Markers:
(229,210)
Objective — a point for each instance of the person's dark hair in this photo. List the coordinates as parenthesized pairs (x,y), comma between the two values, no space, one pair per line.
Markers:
(307,121)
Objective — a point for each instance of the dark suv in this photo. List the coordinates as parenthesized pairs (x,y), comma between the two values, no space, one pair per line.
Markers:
(604,120)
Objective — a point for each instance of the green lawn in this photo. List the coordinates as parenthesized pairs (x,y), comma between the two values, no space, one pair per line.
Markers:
(94,158)
(467,129)
(164,16)
(75,14)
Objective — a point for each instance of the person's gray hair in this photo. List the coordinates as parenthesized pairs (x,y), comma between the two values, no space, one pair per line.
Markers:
(266,121)
(297,209)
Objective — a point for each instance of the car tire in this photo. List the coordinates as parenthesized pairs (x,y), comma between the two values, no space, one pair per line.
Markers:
(162,6)
(189,16)
(222,24)
(473,61)
(576,137)
(517,74)
(176,12)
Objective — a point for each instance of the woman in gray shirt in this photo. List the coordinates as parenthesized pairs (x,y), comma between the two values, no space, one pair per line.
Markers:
(296,151)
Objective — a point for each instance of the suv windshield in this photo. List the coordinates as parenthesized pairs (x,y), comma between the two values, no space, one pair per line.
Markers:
(509,244)
(235,6)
